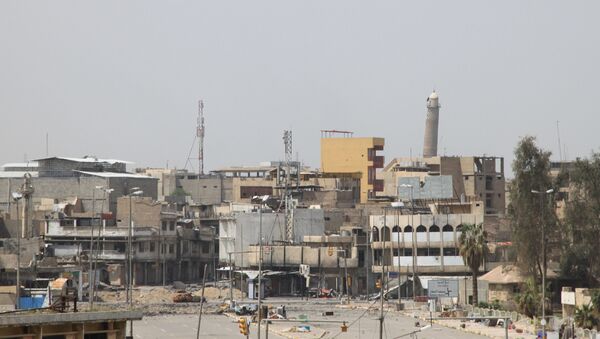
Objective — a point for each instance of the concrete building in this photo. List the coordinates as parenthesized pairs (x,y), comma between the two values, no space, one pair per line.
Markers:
(328,257)
(165,246)
(430,143)
(240,230)
(344,155)
(36,325)
(462,179)
(433,239)
(64,178)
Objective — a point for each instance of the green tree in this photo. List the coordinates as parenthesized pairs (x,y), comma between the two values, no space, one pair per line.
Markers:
(582,220)
(529,212)
(584,317)
(528,300)
(179,192)
(473,248)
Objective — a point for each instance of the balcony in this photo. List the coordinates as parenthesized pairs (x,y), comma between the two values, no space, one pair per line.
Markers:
(378,185)
(378,161)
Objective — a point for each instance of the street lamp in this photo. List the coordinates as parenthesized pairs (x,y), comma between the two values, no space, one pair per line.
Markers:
(16,197)
(542,195)
(133,191)
(413,236)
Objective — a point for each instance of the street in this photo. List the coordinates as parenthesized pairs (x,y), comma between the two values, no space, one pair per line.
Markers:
(362,323)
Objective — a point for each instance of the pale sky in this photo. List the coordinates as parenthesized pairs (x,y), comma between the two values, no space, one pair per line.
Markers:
(121,79)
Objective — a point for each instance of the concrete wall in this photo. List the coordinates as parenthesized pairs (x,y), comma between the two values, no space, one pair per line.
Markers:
(238,233)
(350,155)
(82,187)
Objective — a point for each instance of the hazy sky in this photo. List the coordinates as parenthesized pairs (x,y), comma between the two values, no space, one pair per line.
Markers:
(121,79)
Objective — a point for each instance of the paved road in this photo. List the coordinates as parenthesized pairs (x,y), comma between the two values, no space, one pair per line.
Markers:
(221,326)
(184,327)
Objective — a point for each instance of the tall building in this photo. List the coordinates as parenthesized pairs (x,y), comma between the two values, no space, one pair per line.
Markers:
(431,126)
(343,154)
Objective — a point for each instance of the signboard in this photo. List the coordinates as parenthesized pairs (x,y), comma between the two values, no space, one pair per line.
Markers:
(567,298)
(442,288)
(267,250)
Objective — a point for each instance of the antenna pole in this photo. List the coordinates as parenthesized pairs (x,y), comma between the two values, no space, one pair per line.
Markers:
(289,210)
(559,147)
(200,135)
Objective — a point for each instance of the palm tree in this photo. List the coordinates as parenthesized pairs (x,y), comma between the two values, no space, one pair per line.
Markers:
(584,317)
(473,248)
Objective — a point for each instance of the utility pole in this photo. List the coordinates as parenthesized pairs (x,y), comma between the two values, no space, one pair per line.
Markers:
(382,274)
(16,197)
(542,195)
(260,259)
(133,191)
(230,282)
(201,302)
(398,245)
(91,278)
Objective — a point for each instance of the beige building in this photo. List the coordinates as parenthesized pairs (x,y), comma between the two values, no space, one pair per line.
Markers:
(464,179)
(344,155)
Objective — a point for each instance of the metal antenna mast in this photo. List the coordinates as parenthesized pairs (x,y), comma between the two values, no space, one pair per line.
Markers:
(200,135)
(289,209)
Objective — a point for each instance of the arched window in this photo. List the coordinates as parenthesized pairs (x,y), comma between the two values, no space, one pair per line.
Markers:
(434,233)
(459,228)
(396,229)
(375,234)
(385,233)
(421,228)
(408,229)
(448,233)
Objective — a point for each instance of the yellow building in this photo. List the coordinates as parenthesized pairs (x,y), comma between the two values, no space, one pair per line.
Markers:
(342,154)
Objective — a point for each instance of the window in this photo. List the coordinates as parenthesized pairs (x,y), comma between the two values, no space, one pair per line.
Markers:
(164,225)
(385,234)
(408,252)
(162,248)
(434,228)
(172,226)
(205,248)
(152,246)
(247,192)
(171,248)
(422,252)
(488,200)
(450,251)
(447,228)
(375,234)
(435,251)
(141,247)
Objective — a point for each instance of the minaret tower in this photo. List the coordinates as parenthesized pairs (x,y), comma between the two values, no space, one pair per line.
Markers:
(431,126)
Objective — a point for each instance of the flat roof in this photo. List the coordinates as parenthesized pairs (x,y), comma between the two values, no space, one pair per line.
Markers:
(21,164)
(88,159)
(116,175)
(31,318)
(16,174)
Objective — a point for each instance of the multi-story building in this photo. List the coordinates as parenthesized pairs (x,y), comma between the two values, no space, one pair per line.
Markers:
(165,246)
(463,179)
(344,155)
(64,178)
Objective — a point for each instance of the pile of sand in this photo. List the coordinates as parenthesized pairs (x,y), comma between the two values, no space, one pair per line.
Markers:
(161,295)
